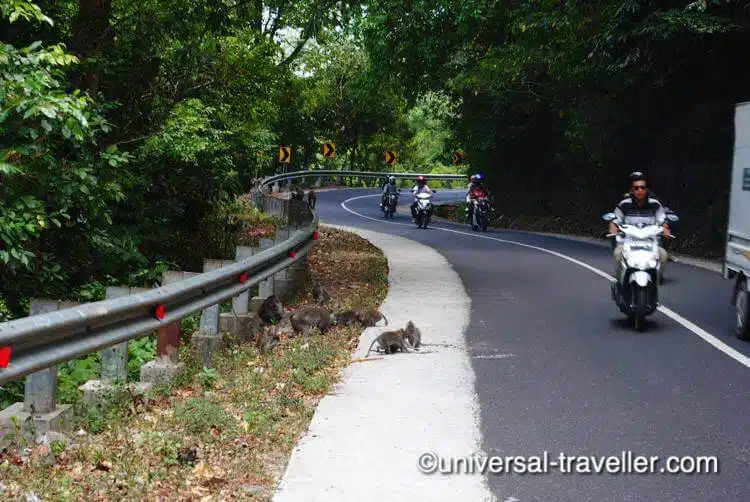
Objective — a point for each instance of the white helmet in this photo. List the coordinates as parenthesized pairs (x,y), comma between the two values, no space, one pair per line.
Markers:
(391,179)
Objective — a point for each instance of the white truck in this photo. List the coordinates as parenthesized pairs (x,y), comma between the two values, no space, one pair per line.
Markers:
(737,255)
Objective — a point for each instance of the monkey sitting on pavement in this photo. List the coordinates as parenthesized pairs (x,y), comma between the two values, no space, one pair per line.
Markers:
(311,199)
(389,342)
(413,335)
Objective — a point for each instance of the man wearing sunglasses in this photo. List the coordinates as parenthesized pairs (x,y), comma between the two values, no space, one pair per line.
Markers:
(638,207)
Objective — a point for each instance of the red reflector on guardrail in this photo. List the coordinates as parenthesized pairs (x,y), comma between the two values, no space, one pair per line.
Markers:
(4,356)
(243,278)
(292,254)
(159,312)
(315,235)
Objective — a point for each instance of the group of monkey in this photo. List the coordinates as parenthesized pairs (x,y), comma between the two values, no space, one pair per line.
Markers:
(275,319)
(299,194)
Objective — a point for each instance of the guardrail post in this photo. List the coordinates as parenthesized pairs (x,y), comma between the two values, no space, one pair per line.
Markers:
(240,322)
(318,181)
(283,280)
(114,361)
(207,339)
(167,363)
(298,210)
(265,287)
(40,394)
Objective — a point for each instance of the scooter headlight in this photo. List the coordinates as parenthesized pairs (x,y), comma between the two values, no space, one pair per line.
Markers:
(652,263)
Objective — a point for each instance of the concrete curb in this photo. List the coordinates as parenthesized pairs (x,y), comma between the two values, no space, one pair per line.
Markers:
(366,437)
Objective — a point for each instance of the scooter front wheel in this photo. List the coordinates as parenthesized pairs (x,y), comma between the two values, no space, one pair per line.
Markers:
(640,303)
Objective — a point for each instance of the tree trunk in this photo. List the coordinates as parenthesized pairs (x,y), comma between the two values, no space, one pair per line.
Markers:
(92,35)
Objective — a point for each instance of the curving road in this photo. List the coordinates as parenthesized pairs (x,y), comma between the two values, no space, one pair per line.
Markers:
(558,370)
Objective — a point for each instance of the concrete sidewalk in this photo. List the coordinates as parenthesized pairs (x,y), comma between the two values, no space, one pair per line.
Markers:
(366,437)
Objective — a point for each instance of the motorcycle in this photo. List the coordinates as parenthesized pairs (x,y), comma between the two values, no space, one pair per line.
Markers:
(424,209)
(389,207)
(665,244)
(636,290)
(480,213)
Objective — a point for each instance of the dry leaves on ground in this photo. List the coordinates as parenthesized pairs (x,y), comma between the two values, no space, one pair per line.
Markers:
(230,440)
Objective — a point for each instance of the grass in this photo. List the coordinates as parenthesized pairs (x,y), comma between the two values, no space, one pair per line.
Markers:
(219,434)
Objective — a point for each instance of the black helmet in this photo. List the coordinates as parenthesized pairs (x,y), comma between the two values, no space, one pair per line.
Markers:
(637,176)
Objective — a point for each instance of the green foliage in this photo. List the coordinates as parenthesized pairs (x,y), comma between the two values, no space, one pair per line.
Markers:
(578,94)
(207,378)
(199,416)
(140,351)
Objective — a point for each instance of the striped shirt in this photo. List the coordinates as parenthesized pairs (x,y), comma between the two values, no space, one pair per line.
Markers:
(630,213)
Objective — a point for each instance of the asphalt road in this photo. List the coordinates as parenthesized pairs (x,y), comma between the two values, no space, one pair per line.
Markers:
(570,376)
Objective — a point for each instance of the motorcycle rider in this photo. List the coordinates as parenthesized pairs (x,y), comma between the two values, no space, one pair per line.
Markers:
(420,187)
(638,207)
(475,189)
(652,195)
(468,195)
(388,188)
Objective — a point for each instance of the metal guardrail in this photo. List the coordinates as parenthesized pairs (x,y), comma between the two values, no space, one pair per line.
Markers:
(42,341)
(330,173)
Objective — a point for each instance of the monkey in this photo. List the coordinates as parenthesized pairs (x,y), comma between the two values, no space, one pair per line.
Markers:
(389,342)
(266,339)
(319,294)
(372,317)
(413,335)
(297,194)
(284,326)
(271,310)
(307,318)
(347,317)
(367,318)
(311,199)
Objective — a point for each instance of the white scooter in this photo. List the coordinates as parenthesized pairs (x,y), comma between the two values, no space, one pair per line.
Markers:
(636,291)
(424,209)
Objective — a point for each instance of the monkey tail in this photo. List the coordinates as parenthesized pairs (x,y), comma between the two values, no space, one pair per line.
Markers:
(385,318)
(368,350)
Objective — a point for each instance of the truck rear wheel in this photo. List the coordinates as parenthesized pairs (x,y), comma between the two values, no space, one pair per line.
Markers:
(742,306)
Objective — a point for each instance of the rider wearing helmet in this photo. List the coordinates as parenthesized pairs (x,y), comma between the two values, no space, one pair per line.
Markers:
(389,187)
(421,187)
(475,188)
(637,207)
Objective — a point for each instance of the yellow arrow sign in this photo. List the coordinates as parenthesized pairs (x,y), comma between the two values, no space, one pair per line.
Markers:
(285,154)
(329,150)
(390,158)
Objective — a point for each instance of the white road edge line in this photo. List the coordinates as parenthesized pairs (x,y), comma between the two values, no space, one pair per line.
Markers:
(366,436)
(697,330)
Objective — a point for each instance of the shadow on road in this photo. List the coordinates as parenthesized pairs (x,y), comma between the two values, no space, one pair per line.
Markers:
(624,325)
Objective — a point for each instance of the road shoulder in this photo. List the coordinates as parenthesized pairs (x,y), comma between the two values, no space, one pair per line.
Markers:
(367,435)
